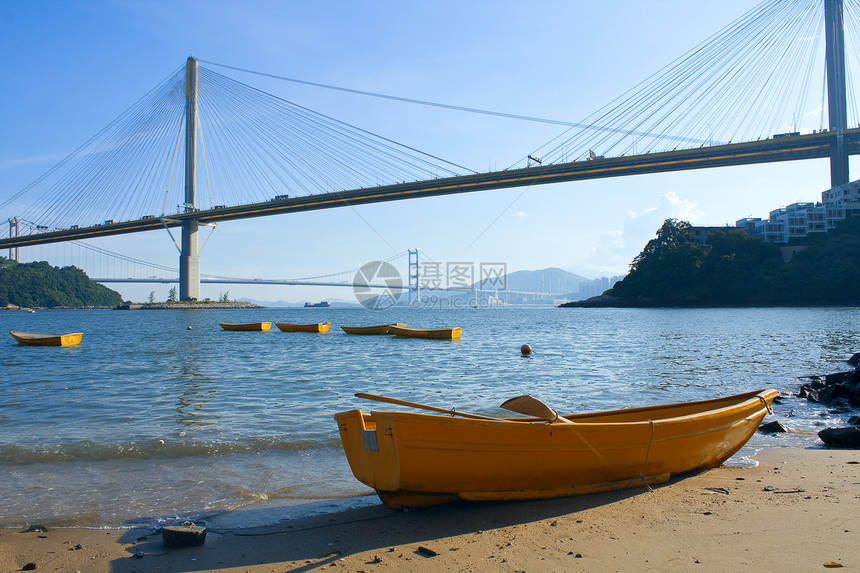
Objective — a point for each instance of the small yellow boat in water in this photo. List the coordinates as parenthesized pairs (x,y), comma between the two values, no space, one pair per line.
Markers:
(415,332)
(46,339)
(318,327)
(378,329)
(414,459)
(253,326)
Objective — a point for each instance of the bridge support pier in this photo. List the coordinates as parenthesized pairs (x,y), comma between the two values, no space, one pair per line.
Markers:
(14,231)
(189,259)
(189,262)
(837,111)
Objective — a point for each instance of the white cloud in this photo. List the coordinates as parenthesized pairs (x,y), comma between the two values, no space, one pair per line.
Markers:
(635,215)
(683,209)
(613,251)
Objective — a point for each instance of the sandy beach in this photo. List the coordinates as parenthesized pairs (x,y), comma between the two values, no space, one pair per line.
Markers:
(798,510)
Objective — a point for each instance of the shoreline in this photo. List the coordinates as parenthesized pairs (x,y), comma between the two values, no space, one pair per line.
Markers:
(185,305)
(640,302)
(797,510)
(140,306)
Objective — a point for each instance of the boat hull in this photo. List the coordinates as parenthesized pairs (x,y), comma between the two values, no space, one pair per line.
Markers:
(413,459)
(415,332)
(46,339)
(318,327)
(254,326)
(378,329)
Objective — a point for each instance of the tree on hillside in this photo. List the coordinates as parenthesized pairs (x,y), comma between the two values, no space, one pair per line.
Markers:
(172,295)
(741,268)
(672,233)
(736,268)
(666,271)
(40,284)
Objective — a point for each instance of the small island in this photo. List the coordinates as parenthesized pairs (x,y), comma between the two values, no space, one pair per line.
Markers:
(185,305)
(734,268)
(173,303)
(39,285)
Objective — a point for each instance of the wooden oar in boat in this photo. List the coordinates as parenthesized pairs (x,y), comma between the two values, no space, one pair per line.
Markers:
(531,406)
(451,412)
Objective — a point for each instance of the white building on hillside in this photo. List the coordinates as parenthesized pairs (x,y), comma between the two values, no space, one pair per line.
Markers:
(801,219)
(842,203)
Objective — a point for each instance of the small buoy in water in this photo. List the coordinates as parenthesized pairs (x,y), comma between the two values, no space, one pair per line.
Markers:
(161,442)
(187,328)
(526,349)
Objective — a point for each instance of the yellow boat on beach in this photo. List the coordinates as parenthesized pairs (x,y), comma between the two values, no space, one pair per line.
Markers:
(378,329)
(253,326)
(46,339)
(415,332)
(318,327)
(414,459)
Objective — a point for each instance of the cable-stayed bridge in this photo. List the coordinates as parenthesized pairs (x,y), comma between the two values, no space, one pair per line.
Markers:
(203,148)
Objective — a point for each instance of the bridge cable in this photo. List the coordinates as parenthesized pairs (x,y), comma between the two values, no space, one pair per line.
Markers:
(434,104)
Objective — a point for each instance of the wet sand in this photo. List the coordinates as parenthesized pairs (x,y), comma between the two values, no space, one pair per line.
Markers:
(799,510)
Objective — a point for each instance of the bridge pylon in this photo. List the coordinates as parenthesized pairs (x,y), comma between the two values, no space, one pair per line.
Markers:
(189,258)
(14,231)
(837,111)
(414,285)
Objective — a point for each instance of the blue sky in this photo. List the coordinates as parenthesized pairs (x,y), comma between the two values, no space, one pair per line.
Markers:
(73,66)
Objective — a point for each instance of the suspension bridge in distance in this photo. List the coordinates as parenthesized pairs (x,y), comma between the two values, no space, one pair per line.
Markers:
(107,267)
(631,120)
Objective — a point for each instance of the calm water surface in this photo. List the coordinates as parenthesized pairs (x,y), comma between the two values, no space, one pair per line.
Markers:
(148,420)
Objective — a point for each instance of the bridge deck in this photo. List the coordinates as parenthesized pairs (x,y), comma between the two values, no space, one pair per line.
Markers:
(811,146)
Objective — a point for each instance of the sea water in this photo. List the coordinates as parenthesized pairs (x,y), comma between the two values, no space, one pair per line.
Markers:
(149,419)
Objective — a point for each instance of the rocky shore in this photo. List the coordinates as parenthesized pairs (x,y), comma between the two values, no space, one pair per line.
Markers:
(35,308)
(186,305)
(838,390)
(606,301)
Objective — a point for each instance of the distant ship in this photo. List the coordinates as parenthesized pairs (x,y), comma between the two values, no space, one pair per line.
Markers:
(322,304)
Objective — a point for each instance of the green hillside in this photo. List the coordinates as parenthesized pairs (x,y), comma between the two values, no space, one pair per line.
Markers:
(41,285)
(735,268)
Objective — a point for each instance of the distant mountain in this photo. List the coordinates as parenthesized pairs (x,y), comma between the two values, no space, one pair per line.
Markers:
(551,279)
(268,303)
